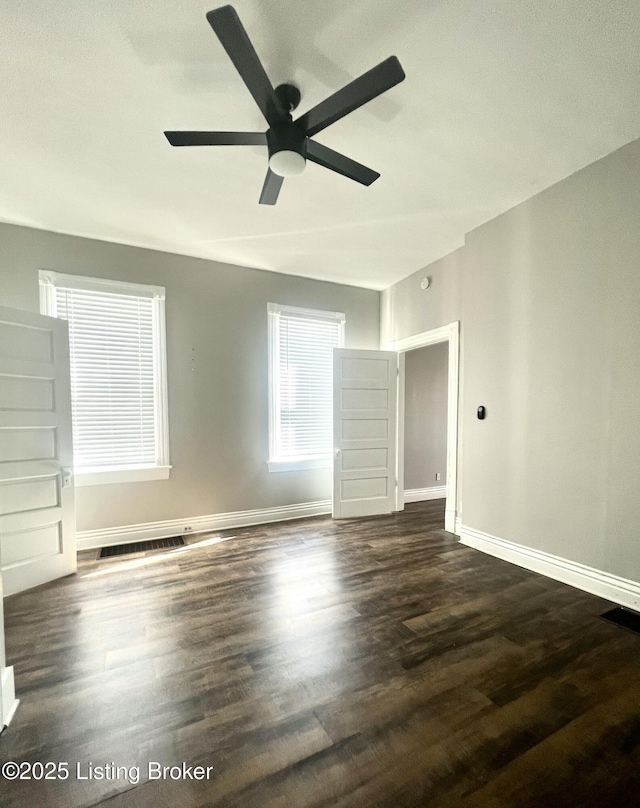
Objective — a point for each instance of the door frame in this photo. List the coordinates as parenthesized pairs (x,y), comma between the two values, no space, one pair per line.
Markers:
(451,334)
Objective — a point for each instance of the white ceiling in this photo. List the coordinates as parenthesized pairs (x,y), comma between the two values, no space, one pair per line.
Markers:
(501,100)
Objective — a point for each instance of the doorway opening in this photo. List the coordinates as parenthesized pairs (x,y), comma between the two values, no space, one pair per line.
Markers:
(425,423)
(450,335)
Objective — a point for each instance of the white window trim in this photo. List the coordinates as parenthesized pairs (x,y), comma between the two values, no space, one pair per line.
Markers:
(48,281)
(275,463)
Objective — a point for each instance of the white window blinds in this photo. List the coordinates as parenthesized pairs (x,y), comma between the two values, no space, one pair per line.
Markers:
(302,343)
(116,389)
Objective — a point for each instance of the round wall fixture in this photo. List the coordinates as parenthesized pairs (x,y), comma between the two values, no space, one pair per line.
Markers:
(425,283)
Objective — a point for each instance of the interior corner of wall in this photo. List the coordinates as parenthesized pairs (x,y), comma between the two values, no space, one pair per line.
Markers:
(385,324)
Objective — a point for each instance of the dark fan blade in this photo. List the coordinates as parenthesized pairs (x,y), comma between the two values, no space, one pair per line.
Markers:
(271,188)
(371,84)
(329,158)
(216,138)
(230,31)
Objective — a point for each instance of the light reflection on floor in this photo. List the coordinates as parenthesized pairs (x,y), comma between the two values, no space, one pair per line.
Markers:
(301,588)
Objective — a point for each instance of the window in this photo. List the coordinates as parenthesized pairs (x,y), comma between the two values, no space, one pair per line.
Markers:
(301,343)
(118,376)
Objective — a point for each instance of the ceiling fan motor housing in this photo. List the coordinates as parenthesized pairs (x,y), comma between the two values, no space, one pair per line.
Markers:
(286,149)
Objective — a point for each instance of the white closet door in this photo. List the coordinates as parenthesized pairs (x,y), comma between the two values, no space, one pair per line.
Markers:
(365,386)
(37,515)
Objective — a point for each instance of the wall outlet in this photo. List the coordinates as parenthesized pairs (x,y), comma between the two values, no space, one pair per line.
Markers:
(187,529)
(437,476)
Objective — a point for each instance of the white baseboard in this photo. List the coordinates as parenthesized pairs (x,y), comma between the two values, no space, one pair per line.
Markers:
(423,494)
(9,700)
(610,587)
(124,534)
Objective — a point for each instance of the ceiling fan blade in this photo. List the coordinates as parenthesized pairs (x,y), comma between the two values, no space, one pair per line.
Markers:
(216,138)
(337,162)
(366,87)
(271,188)
(235,40)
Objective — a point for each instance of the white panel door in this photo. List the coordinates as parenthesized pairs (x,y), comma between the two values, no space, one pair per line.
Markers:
(365,394)
(37,515)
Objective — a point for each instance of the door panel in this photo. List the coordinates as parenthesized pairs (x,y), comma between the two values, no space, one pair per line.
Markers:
(26,394)
(365,488)
(364,459)
(372,428)
(27,444)
(364,431)
(37,517)
(29,544)
(28,495)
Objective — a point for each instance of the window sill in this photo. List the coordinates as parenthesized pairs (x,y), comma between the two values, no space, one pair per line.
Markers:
(125,475)
(300,465)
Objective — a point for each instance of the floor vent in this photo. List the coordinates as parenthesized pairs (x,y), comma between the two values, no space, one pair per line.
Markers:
(624,618)
(141,547)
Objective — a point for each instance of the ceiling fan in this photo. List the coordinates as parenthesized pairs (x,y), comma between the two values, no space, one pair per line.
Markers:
(289,142)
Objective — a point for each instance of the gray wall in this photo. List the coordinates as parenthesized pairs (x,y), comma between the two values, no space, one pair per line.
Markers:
(217,317)
(407,310)
(425,424)
(550,311)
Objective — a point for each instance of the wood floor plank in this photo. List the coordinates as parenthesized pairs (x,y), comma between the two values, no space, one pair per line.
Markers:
(366,663)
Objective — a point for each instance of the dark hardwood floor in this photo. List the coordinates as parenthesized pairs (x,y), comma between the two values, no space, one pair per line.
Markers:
(373,662)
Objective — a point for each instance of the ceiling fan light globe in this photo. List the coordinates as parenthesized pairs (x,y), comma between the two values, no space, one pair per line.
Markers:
(287,163)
